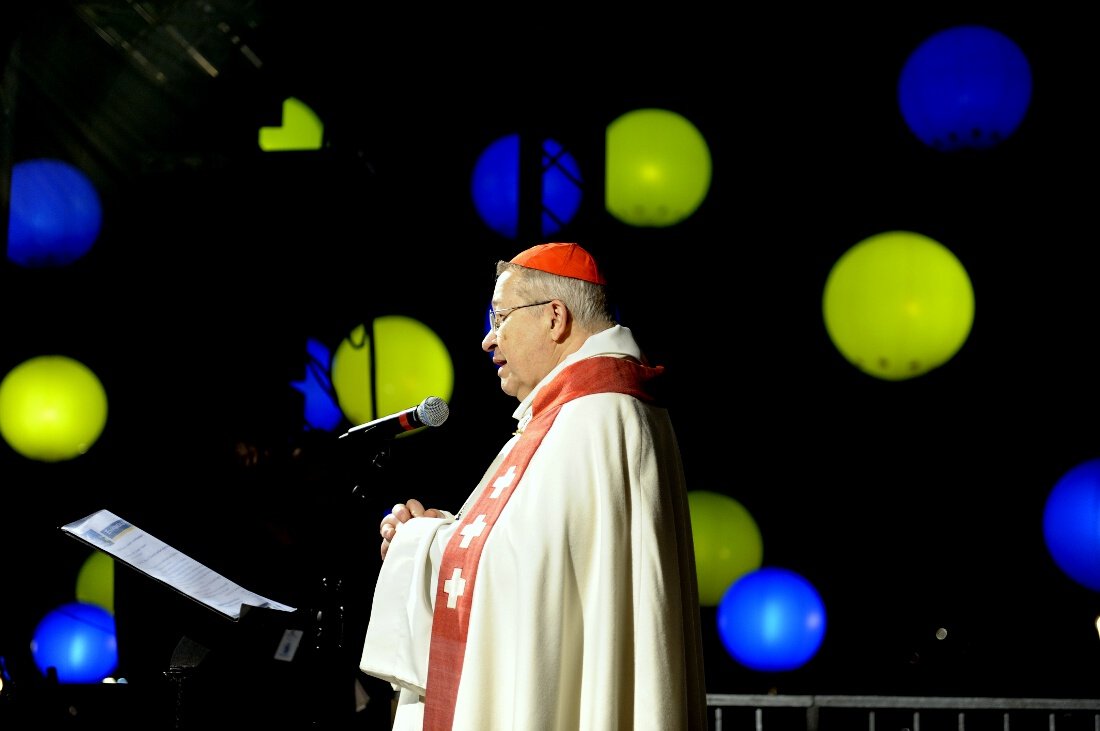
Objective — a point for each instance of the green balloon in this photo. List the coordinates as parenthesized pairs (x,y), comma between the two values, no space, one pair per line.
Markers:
(301,129)
(658,168)
(95,584)
(411,362)
(728,544)
(898,304)
(52,408)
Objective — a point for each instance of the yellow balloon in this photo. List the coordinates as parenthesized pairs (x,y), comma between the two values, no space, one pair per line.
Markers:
(52,408)
(898,304)
(301,129)
(351,376)
(657,169)
(95,584)
(728,543)
(411,363)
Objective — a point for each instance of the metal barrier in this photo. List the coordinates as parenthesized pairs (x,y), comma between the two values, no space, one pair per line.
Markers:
(899,713)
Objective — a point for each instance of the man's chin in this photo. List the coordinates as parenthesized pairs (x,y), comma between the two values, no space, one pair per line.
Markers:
(508,389)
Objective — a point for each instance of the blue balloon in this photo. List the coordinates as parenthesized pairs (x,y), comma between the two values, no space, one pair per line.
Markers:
(965,87)
(495,186)
(55,214)
(321,410)
(1071,524)
(561,187)
(78,640)
(771,620)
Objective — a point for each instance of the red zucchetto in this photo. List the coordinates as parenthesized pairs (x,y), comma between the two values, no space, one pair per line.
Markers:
(565,260)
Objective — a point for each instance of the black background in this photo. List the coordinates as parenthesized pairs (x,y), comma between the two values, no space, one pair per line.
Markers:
(909,505)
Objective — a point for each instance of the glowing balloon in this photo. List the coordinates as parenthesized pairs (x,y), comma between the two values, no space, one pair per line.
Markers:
(411,363)
(351,376)
(320,409)
(1071,524)
(496,186)
(95,584)
(52,408)
(79,641)
(965,87)
(898,305)
(55,215)
(301,129)
(772,620)
(561,186)
(658,168)
(727,543)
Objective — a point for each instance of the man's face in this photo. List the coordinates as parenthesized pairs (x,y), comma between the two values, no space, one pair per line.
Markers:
(521,345)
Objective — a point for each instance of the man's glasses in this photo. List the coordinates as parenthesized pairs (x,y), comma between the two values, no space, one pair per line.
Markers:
(496,317)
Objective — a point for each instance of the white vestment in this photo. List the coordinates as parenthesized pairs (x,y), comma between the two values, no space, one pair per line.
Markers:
(585,614)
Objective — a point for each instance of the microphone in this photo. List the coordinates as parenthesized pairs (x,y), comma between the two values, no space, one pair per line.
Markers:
(432,411)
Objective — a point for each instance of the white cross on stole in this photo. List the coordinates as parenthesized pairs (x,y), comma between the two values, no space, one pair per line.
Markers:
(503,481)
(472,530)
(454,587)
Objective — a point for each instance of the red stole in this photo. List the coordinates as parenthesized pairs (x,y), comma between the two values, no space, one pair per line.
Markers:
(458,570)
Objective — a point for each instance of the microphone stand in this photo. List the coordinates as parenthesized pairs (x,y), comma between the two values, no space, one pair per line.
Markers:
(335,661)
(378,461)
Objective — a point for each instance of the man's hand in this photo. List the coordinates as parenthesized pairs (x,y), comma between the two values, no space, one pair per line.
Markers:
(402,513)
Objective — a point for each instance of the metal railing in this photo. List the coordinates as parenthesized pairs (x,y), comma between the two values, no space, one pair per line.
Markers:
(899,713)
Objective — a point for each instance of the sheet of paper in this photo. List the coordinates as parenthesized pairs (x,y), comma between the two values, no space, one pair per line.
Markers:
(131,545)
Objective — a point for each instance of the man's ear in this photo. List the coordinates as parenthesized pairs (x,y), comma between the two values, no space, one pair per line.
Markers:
(561,321)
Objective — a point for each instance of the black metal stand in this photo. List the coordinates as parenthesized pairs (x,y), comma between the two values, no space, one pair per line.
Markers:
(299,670)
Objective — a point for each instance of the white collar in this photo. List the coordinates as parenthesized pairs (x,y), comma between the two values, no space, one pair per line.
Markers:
(616,341)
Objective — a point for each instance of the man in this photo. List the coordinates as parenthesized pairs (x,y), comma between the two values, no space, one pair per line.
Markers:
(563,595)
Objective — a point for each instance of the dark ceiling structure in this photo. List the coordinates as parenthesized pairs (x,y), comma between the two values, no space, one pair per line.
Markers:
(126,88)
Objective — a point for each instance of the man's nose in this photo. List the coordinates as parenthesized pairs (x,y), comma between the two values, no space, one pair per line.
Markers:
(489,342)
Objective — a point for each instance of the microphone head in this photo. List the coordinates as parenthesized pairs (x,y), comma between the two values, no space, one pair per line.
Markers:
(433,411)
